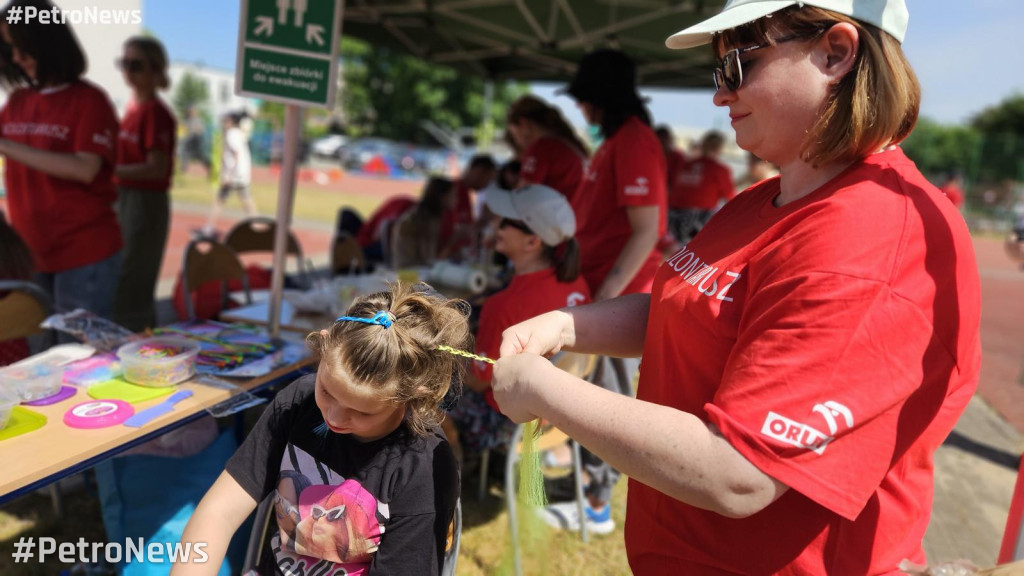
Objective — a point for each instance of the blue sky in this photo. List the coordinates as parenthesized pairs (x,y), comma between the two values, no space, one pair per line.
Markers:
(963,53)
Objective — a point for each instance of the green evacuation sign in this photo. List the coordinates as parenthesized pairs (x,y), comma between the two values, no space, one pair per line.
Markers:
(287,51)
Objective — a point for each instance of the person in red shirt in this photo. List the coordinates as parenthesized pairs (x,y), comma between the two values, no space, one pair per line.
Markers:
(952,187)
(58,133)
(553,155)
(698,187)
(674,157)
(458,227)
(810,349)
(536,234)
(371,233)
(145,162)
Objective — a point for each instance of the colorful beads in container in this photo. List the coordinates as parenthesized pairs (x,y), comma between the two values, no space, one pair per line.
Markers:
(160,361)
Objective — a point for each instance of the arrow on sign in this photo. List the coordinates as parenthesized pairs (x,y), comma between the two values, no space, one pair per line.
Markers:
(265,24)
(314,34)
(282,11)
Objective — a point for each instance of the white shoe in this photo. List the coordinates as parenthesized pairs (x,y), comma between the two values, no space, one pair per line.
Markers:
(565,516)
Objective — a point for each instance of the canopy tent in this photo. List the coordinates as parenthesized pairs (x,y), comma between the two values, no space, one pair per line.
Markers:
(535,40)
(538,40)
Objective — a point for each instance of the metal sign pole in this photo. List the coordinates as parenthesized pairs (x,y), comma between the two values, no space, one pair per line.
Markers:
(285,197)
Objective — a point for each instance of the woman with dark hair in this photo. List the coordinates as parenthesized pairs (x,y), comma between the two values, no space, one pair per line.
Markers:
(145,159)
(417,234)
(553,155)
(620,208)
(811,348)
(58,135)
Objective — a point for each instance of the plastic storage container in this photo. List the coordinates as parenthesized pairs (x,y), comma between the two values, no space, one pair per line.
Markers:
(32,381)
(8,401)
(158,362)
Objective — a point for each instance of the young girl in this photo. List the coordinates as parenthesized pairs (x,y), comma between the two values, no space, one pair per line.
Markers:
(145,153)
(362,479)
(553,155)
(536,234)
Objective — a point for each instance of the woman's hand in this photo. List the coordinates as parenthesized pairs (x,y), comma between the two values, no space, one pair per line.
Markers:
(542,335)
(517,384)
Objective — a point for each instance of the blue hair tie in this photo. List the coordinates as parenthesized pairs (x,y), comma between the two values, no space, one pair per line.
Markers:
(385,319)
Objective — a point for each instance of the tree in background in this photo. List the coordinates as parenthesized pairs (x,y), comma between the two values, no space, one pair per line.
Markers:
(938,148)
(191,92)
(390,94)
(1002,140)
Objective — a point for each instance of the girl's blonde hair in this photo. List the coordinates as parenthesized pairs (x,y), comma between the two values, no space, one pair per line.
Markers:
(401,362)
(875,105)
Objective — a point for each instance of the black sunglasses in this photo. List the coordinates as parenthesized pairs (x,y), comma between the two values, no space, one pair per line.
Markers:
(517,224)
(130,64)
(730,71)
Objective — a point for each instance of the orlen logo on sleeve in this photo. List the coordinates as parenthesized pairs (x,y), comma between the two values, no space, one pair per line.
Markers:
(804,435)
(575,298)
(639,188)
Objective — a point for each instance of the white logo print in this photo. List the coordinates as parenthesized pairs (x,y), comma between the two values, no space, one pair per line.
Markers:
(575,298)
(804,435)
(638,189)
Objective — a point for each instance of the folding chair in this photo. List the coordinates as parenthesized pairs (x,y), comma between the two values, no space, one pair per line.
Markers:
(207,261)
(22,310)
(582,366)
(347,255)
(257,235)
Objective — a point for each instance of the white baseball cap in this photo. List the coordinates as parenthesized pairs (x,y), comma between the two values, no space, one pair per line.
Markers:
(889,15)
(546,211)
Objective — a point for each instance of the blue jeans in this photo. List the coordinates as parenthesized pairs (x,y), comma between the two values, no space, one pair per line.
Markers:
(92,287)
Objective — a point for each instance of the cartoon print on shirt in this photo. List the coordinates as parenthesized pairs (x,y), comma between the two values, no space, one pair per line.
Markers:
(326,525)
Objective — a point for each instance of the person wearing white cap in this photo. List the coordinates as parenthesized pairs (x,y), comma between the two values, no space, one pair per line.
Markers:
(808,351)
(536,234)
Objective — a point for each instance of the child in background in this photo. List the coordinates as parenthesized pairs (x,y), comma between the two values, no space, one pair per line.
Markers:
(362,479)
(15,264)
(536,233)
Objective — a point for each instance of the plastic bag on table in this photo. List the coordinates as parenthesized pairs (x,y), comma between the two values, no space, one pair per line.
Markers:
(957,568)
(240,399)
(100,333)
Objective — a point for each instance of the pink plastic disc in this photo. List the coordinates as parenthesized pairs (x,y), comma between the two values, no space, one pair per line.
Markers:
(98,414)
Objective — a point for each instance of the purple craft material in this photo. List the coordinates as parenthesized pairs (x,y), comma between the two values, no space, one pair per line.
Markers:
(64,393)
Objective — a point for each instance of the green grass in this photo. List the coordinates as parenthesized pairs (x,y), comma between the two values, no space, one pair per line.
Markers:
(312,203)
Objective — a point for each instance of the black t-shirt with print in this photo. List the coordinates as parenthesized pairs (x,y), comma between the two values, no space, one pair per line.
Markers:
(341,506)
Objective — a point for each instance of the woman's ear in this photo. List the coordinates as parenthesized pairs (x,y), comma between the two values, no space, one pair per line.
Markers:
(840,44)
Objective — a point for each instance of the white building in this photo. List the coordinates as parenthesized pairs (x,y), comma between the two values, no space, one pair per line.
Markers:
(220,85)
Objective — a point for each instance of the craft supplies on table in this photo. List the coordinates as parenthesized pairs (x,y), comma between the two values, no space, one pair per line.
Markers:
(159,362)
(33,381)
(118,389)
(8,400)
(98,414)
(64,393)
(459,277)
(22,420)
(142,418)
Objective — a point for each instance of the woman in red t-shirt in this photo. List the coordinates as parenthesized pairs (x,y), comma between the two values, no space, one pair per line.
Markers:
(807,353)
(697,188)
(58,136)
(145,160)
(536,234)
(553,155)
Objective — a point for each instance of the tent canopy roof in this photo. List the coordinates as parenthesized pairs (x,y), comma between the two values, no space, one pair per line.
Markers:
(538,40)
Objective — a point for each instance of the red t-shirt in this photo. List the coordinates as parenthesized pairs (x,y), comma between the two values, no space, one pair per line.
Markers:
(701,183)
(554,163)
(392,209)
(954,193)
(676,161)
(146,126)
(834,342)
(528,295)
(627,170)
(66,224)
(461,214)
